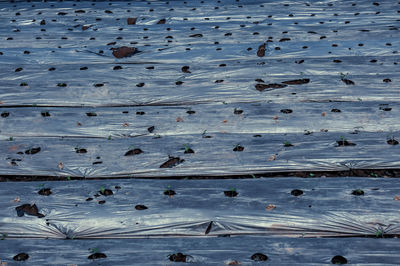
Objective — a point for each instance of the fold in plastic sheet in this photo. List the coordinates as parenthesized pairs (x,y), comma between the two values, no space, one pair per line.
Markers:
(93,157)
(327,207)
(218,41)
(200,251)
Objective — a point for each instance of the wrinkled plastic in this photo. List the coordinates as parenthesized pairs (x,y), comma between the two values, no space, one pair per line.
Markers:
(210,251)
(194,70)
(212,156)
(359,39)
(328,207)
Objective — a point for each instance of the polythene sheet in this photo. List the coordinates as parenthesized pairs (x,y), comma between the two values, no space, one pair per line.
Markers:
(201,251)
(198,80)
(325,207)
(202,36)
(212,156)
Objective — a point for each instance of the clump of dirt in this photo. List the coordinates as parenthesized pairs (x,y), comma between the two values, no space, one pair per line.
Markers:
(344,143)
(151,129)
(296,82)
(296,192)
(21,257)
(106,192)
(45,114)
(162,21)
(261,86)
(172,161)
(287,111)
(33,150)
(339,260)
(185,69)
(169,192)
(80,150)
(261,50)
(97,255)
(124,51)
(259,257)
(357,192)
(140,207)
(392,142)
(238,148)
(237,111)
(231,193)
(189,150)
(178,257)
(5,114)
(133,152)
(348,82)
(44,191)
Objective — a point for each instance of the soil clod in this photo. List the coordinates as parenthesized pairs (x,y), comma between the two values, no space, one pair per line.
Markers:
(261,86)
(173,161)
(21,257)
(133,152)
(357,192)
(339,260)
(296,82)
(106,192)
(178,257)
(97,255)
(33,150)
(44,191)
(348,82)
(259,257)
(231,193)
(124,51)
(261,50)
(140,207)
(296,192)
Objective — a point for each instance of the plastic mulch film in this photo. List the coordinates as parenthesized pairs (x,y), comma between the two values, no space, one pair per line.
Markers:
(97,209)
(149,156)
(218,42)
(200,88)
(200,251)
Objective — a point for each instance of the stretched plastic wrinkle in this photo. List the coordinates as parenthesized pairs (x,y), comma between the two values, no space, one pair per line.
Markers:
(327,208)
